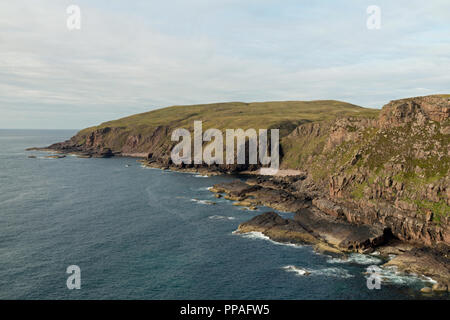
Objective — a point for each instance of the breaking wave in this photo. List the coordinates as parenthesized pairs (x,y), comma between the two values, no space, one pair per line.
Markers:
(357,258)
(391,275)
(260,236)
(208,202)
(221,218)
(298,271)
(327,272)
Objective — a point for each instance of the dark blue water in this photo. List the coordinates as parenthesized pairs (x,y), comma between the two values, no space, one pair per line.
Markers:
(136,233)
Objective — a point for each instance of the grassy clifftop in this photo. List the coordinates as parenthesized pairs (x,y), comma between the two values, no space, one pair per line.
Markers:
(150,132)
(233,115)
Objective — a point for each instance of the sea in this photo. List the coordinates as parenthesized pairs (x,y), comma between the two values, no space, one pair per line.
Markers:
(140,233)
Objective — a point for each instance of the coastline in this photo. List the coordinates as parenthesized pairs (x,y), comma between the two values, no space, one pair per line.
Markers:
(358,192)
(257,190)
(327,233)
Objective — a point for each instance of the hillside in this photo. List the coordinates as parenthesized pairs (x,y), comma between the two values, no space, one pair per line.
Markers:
(149,133)
(399,155)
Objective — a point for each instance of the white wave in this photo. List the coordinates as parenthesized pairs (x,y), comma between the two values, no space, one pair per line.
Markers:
(391,275)
(254,235)
(201,176)
(260,236)
(204,189)
(327,272)
(429,279)
(357,258)
(333,272)
(221,218)
(298,271)
(209,202)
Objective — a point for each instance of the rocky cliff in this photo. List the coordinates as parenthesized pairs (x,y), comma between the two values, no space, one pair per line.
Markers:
(367,177)
(394,169)
(382,165)
(390,166)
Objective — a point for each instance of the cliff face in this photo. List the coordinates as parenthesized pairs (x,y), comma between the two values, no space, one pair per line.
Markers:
(420,109)
(398,169)
(390,166)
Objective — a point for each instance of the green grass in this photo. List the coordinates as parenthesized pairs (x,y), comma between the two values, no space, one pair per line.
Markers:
(358,190)
(440,209)
(283,115)
(233,115)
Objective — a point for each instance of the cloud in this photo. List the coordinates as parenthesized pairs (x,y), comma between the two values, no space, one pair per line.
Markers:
(133,57)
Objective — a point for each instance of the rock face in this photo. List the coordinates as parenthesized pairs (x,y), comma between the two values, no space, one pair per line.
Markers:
(404,224)
(397,172)
(328,207)
(421,109)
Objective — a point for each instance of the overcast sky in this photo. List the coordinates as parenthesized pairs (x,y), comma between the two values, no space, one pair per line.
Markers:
(134,56)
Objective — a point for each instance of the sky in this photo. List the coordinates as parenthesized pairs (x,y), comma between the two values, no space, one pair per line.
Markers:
(134,56)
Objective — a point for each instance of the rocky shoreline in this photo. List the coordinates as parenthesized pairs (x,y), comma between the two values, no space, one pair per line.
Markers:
(329,226)
(321,223)
(318,221)
(354,183)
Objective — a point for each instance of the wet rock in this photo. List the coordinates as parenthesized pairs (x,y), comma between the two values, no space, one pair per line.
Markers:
(235,188)
(426,290)
(278,229)
(440,287)
(242,203)
(340,233)
(433,262)
(275,198)
(57,156)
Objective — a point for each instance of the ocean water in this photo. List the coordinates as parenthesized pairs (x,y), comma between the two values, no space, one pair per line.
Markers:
(140,233)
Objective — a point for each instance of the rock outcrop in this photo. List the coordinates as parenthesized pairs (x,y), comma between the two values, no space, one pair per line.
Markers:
(322,226)
(419,109)
(433,262)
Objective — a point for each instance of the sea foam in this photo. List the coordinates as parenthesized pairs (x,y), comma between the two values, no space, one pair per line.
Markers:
(357,258)
(393,276)
(221,218)
(208,202)
(326,272)
(260,236)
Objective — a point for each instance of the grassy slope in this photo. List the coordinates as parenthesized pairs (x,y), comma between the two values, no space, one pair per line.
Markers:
(235,115)
(284,115)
